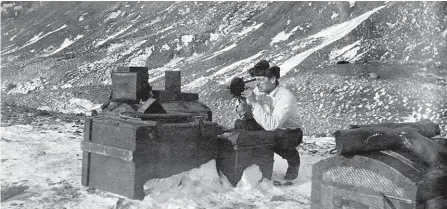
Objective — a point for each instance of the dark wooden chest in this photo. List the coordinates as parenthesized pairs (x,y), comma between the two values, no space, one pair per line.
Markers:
(120,155)
(241,149)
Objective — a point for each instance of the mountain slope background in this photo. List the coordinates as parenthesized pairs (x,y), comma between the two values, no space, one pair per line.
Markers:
(58,56)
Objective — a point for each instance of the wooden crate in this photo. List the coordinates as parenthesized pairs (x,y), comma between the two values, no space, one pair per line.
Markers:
(120,155)
(243,149)
(129,83)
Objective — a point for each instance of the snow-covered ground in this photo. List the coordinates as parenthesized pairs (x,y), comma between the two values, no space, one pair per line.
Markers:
(41,168)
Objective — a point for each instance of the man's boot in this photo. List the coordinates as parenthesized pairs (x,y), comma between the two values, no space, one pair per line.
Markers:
(292,172)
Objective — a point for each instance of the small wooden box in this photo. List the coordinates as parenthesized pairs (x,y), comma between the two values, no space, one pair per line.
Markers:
(120,155)
(243,149)
(173,81)
(129,83)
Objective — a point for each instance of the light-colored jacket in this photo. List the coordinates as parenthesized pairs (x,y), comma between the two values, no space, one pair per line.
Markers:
(276,110)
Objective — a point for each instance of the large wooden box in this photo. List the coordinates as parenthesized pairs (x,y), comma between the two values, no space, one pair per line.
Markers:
(120,155)
(378,180)
(130,83)
(241,149)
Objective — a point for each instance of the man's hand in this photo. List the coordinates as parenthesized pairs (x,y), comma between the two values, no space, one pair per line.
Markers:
(250,96)
(243,109)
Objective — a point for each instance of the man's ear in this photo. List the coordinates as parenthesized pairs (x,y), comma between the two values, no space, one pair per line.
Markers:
(273,79)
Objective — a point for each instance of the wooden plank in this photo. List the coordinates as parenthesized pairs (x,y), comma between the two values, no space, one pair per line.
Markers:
(88,129)
(125,121)
(165,96)
(113,175)
(86,155)
(85,168)
(115,133)
(100,149)
(146,105)
(132,69)
(165,117)
(188,97)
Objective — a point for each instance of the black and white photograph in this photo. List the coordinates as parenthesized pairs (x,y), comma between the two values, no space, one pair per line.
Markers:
(223,105)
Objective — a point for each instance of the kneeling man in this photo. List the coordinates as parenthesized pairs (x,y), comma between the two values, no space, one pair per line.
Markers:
(275,108)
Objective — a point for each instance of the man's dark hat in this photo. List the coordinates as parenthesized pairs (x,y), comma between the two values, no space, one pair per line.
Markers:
(264,68)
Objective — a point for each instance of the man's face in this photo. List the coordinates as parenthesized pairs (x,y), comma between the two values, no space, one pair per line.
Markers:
(265,84)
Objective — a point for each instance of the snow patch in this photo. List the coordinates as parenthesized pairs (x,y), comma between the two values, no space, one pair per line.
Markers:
(193,57)
(40,148)
(444,34)
(67,42)
(12,38)
(319,141)
(165,47)
(37,149)
(193,182)
(237,65)
(186,39)
(36,39)
(283,36)
(249,61)
(326,37)
(141,58)
(133,48)
(77,105)
(215,36)
(66,86)
(7,48)
(221,51)
(414,117)
(18,8)
(158,19)
(184,12)
(113,15)
(6,5)
(348,52)
(26,87)
(250,178)
(166,29)
(81,18)
(249,29)
(334,15)
(157,73)
(114,47)
(73,105)
(169,9)
(391,25)
(113,36)
(351,4)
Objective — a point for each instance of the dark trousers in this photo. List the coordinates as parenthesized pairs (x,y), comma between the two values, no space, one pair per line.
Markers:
(286,140)
(286,143)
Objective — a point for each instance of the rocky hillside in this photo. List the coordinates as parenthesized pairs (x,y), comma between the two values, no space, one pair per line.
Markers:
(58,55)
